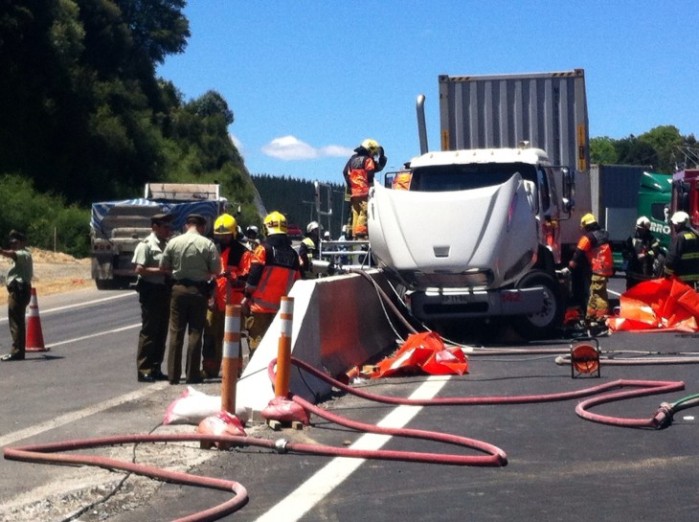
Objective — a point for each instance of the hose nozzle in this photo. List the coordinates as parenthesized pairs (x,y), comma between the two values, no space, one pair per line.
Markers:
(663,417)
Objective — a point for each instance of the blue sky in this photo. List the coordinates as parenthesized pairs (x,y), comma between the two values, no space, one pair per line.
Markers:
(308,80)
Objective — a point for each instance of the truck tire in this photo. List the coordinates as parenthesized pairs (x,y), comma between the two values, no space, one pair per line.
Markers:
(104,284)
(541,325)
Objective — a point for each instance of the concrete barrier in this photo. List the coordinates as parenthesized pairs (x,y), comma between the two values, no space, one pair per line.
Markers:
(339,323)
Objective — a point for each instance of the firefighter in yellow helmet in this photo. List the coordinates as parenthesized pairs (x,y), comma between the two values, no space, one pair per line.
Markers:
(230,284)
(367,160)
(594,248)
(274,268)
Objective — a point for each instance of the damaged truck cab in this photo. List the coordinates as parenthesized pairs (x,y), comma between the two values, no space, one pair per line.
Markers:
(475,236)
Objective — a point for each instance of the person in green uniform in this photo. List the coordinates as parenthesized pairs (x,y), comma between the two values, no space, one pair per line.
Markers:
(19,287)
(153,288)
(192,260)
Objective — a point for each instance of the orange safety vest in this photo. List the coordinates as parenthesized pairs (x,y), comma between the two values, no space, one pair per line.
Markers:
(279,274)
(360,173)
(227,293)
(598,252)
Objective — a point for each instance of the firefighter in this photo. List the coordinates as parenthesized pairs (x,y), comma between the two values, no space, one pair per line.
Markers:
(594,247)
(230,286)
(309,249)
(683,257)
(367,160)
(274,268)
(251,234)
(640,253)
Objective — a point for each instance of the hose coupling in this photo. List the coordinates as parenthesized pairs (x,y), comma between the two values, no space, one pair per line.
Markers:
(663,417)
(280,445)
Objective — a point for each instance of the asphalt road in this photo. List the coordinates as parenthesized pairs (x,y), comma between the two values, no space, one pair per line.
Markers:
(560,467)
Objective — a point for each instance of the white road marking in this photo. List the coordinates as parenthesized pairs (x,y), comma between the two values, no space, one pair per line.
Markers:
(98,334)
(325,480)
(77,305)
(80,414)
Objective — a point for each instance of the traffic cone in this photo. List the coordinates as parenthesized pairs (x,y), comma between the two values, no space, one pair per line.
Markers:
(35,338)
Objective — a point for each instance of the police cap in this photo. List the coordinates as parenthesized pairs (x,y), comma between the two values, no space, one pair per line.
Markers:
(197,219)
(16,236)
(160,219)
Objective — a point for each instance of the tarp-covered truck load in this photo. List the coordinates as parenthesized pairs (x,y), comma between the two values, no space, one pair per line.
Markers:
(116,227)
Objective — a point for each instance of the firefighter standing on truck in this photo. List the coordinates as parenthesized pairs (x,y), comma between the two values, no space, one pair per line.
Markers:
(274,269)
(683,257)
(594,246)
(359,171)
(230,286)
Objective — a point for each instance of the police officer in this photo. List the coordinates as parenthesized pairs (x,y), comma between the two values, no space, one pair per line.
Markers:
(19,287)
(594,246)
(193,260)
(683,257)
(153,288)
(274,269)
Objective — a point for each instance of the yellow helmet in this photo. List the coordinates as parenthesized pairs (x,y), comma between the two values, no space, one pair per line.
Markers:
(587,219)
(225,224)
(275,223)
(371,145)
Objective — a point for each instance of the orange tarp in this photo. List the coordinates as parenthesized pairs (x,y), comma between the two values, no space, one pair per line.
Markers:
(423,353)
(658,304)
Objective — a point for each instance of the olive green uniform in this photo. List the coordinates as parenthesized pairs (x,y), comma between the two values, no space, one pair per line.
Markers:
(19,287)
(193,259)
(154,297)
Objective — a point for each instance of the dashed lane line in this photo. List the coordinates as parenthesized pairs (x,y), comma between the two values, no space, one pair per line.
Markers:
(325,480)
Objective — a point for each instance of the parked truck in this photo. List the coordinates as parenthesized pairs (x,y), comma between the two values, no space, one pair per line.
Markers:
(488,220)
(116,227)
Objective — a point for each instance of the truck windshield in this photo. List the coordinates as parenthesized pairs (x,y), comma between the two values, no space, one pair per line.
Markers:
(443,178)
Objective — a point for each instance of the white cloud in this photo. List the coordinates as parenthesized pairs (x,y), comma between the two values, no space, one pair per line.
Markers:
(290,148)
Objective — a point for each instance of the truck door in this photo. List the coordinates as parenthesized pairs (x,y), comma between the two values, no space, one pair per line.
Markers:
(550,212)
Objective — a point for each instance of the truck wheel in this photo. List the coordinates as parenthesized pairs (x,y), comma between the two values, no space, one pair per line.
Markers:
(543,324)
(104,284)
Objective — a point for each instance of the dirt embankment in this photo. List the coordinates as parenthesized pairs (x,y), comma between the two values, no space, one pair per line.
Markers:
(54,272)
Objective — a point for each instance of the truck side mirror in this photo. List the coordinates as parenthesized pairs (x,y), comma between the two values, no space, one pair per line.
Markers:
(568,184)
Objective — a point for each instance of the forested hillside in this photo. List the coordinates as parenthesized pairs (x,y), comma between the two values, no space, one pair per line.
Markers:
(295,198)
(85,117)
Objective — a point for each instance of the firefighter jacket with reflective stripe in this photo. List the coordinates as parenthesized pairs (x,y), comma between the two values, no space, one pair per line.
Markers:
(235,263)
(359,172)
(683,256)
(595,246)
(274,269)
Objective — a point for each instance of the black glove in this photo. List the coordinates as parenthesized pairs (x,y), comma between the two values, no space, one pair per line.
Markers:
(380,151)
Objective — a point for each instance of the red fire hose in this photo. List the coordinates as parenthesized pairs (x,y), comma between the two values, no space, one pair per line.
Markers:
(494,456)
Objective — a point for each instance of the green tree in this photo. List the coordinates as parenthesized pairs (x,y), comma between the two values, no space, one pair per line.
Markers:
(602,151)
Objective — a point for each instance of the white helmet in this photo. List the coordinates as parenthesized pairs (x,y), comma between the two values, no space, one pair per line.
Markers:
(680,218)
(643,222)
(313,225)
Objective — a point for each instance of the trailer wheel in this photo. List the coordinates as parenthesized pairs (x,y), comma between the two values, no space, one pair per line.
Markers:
(543,324)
